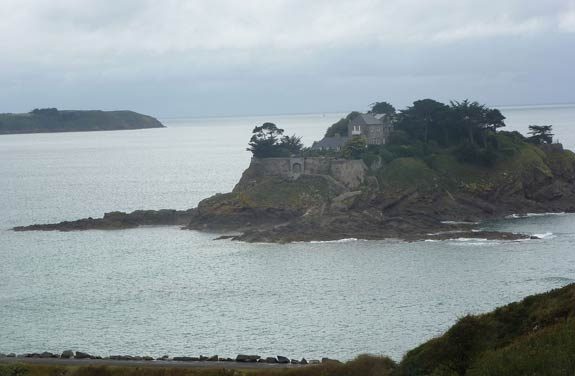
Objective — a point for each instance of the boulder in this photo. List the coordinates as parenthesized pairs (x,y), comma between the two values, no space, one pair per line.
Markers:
(184,359)
(2,355)
(294,361)
(11,355)
(314,361)
(203,358)
(303,361)
(282,359)
(271,360)
(47,354)
(247,358)
(67,354)
(328,360)
(213,358)
(147,358)
(82,355)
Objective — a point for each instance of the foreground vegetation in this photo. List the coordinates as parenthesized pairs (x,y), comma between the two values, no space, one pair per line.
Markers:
(533,337)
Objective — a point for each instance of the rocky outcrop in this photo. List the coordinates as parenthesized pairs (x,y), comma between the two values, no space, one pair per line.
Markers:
(405,199)
(247,358)
(118,221)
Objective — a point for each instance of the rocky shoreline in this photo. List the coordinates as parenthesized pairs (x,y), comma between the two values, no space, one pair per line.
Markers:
(71,356)
(395,228)
(332,199)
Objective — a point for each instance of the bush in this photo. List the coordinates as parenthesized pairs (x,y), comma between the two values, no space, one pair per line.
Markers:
(14,370)
(472,154)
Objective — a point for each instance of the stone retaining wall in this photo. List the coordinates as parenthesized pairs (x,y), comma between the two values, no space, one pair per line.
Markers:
(350,173)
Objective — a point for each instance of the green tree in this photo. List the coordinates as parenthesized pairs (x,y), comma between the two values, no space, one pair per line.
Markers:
(264,140)
(340,127)
(382,108)
(423,119)
(291,144)
(354,148)
(494,119)
(471,115)
(541,134)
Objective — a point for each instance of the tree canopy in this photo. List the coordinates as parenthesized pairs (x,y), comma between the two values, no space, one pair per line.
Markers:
(382,108)
(340,127)
(541,134)
(428,120)
(354,148)
(268,141)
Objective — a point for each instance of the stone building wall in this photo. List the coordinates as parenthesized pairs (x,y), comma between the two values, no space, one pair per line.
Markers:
(350,173)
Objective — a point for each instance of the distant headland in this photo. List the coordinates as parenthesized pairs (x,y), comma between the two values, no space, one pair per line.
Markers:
(51,120)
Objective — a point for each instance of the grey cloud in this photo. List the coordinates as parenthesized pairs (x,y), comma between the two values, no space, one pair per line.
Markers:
(220,57)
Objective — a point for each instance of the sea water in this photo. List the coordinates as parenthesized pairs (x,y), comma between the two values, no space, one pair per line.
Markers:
(162,290)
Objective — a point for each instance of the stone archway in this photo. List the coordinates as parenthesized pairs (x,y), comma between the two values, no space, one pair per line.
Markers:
(296,169)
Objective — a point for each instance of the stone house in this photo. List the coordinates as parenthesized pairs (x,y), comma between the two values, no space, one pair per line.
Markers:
(375,130)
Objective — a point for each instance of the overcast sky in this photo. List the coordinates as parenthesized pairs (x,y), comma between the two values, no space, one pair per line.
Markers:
(229,57)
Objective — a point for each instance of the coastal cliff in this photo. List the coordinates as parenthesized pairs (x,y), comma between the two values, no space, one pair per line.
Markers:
(406,198)
(52,120)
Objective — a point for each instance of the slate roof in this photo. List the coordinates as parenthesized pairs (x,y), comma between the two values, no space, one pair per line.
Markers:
(330,143)
(365,119)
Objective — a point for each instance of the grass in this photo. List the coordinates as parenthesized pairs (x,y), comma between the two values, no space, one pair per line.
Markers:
(363,365)
(405,173)
(479,341)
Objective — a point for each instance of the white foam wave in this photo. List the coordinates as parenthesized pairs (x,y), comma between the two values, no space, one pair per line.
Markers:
(470,240)
(346,240)
(459,223)
(547,235)
(530,215)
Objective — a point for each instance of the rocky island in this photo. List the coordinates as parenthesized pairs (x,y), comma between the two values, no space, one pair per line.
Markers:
(431,171)
(49,120)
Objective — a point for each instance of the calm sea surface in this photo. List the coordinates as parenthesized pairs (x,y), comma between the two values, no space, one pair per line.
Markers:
(162,290)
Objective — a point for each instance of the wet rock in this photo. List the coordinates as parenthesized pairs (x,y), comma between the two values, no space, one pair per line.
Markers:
(247,358)
(82,355)
(47,354)
(213,358)
(314,361)
(303,361)
(165,357)
(328,360)
(270,359)
(11,355)
(118,220)
(185,359)
(282,359)
(67,354)
(203,358)
(147,358)
(294,361)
